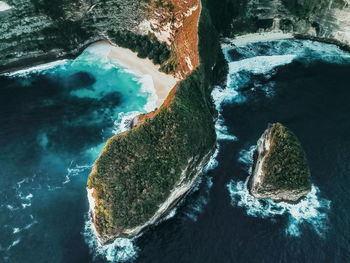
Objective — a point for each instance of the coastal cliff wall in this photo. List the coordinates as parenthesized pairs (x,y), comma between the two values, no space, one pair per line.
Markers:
(34,31)
(324,20)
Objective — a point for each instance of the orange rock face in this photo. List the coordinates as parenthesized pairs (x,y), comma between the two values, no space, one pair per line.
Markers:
(184,18)
(186,14)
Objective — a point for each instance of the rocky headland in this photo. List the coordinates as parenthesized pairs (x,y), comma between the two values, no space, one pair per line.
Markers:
(280,170)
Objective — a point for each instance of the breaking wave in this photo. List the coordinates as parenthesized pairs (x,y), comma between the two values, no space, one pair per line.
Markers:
(123,121)
(121,250)
(36,69)
(312,210)
(147,86)
(305,50)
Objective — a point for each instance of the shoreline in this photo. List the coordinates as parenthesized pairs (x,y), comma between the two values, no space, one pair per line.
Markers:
(162,83)
(242,40)
(256,37)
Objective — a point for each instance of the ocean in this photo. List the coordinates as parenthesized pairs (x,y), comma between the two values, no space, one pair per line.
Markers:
(56,118)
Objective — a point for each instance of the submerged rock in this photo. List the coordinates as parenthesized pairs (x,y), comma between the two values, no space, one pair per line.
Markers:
(280,169)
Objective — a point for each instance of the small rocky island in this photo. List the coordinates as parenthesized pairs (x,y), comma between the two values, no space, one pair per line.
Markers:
(280,169)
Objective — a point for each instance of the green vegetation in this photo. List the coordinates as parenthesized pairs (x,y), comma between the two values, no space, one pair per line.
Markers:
(137,169)
(146,46)
(286,166)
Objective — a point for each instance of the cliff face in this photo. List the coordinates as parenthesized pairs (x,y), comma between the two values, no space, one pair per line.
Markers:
(280,170)
(326,20)
(175,23)
(32,31)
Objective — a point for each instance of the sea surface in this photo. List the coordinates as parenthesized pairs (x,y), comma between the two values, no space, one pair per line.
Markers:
(55,119)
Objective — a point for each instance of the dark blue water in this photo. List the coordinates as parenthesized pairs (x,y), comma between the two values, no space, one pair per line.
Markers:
(54,123)
(51,131)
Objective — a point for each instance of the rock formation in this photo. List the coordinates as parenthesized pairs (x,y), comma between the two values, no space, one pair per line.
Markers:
(280,169)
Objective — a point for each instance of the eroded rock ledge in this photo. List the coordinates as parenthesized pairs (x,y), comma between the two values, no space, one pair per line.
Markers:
(280,169)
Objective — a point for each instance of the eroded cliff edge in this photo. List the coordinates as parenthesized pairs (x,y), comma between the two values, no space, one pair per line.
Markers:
(323,20)
(280,169)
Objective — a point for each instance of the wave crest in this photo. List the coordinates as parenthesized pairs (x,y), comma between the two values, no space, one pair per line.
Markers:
(121,250)
(311,210)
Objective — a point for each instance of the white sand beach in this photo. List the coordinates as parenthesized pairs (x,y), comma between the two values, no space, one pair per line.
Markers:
(258,37)
(4,6)
(163,83)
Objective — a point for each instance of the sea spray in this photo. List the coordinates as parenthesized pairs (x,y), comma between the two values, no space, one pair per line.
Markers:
(37,69)
(121,250)
(123,121)
(147,86)
(311,210)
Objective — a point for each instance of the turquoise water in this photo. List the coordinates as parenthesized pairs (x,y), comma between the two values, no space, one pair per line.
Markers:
(55,120)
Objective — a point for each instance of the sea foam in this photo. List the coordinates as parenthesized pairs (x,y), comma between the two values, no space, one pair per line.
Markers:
(121,250)
(36,69)
(312,210)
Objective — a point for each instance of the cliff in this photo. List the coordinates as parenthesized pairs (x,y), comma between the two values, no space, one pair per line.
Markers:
(323,20)
(34,31)
(280,170)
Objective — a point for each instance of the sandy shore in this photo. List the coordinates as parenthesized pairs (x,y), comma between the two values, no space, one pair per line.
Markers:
(4,6)
(162,82)
(258,37)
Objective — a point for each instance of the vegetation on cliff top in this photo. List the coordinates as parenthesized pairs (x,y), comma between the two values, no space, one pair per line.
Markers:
(146,46)
(138,169)
(285,166)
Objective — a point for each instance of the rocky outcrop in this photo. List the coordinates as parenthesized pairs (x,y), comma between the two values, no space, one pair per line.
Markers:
(280,170)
